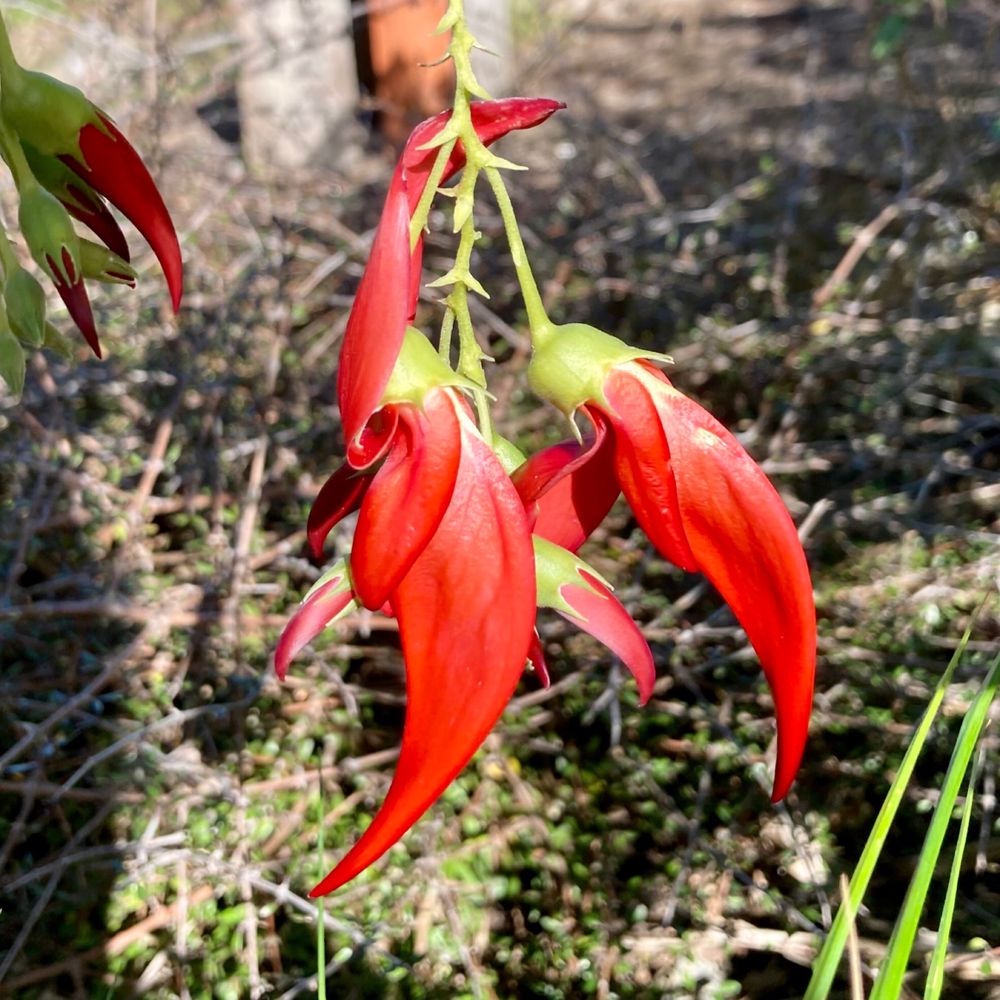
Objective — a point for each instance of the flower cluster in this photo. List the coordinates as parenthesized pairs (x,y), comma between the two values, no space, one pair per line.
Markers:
(68,161)
(463,540)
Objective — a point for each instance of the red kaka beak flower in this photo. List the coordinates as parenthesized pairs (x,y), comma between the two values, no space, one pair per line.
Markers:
(701,499)
(378,319)
(442,538)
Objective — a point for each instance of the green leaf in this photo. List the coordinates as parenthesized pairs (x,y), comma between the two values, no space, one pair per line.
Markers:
(825,967)
(321,902)
(889,983)
(935,975)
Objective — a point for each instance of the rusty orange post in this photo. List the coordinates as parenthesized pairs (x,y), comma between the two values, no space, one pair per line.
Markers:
(409,81)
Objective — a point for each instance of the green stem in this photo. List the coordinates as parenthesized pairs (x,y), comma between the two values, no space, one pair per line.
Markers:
(420,214)
(470,354)
(539,324)
(461,129)
(444,339)
(8,259)
(13,156)
(9,67)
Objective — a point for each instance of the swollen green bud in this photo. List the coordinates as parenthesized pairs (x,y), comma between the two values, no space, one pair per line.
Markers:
(49,233)
(11,361)
(418,369)
(102,264)
(24,298)
(570,365)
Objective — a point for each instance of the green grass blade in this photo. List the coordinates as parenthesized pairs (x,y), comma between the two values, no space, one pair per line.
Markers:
(935,975)
(321,902)
(828,961)
(889,982)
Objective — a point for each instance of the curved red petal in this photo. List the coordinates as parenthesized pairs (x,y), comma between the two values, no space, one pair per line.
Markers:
(746,544)
(375,329)
(339,496)
(114,169)
(466,612)
(603,616)
(536,657)
(644,465)
(373,442)
(491,119)
(97,218)
(407,498)
(315,613)
(568,488)
(77,302)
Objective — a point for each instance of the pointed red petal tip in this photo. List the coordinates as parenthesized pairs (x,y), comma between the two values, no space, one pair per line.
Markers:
(97,218)
(339,496)
(744,541)
(568,488)
(316,612)
(472,589)
(536,657)
(407,498)
(603,616)
(114,169)
(492,120)
(77,303)
(377,324)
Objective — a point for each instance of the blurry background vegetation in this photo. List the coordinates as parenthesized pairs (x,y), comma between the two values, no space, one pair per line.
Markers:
(799,201)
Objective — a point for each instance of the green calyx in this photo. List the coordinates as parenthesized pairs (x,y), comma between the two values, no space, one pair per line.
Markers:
(511,457)
(418,369)
(55,176)
(101,264)
(24,300)
(555,568)
(571,362)
(44,111)
(340,574)
(49,233)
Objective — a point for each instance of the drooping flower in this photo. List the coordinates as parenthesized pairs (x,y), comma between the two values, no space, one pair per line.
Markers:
(375,328)
(77,153)
(701,499)
(442,540)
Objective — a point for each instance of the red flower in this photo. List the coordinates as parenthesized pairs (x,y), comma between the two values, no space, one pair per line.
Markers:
(706,506)
(443,540)
(375,328)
